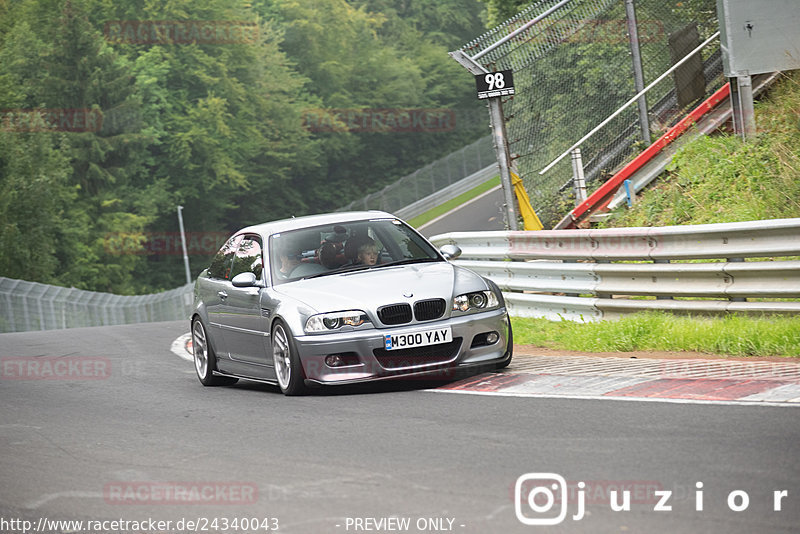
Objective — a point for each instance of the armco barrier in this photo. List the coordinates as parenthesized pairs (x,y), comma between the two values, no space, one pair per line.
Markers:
(30,306)
(576,274)
(557,274)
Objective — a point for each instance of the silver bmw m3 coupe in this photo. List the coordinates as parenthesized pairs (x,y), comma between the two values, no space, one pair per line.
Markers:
(342,298)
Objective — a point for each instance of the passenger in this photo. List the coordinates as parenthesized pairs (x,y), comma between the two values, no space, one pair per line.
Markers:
(367,252)
(329,256)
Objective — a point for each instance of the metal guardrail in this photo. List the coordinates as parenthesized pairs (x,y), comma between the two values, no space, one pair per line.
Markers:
(443,195)
(557,274)
(570,274)
(27,306)
(434,184)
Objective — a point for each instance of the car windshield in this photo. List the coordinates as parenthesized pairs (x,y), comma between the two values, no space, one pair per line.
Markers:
(343,247)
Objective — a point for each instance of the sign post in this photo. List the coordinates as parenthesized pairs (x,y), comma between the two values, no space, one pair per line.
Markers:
(492,86)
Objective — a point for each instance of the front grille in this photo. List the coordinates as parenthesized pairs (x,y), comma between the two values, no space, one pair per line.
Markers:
(395,314)
(428,310)
(394,359)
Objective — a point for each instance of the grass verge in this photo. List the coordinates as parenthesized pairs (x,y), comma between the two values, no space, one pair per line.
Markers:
(431,214)
(732,335)
(720,178)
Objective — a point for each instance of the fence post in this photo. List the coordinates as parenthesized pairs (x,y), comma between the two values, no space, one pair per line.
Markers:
(578,180)
(638,72)
(10,299)
(25,308)
(464,161)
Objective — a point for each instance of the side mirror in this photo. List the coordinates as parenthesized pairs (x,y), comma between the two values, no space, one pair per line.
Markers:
(450,252)
(244,280)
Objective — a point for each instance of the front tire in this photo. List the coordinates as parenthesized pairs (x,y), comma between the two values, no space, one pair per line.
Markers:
(288,368)
(205,362)
(509,348)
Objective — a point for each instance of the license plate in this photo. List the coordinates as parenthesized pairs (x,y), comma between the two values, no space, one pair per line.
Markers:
(420,338)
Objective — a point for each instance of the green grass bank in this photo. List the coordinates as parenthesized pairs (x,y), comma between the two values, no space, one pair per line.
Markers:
(732,335)
(712,179)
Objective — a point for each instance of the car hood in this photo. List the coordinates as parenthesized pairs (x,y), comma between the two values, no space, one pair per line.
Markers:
(368,290)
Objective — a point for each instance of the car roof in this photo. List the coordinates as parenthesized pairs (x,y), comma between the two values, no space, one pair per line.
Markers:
(284,225)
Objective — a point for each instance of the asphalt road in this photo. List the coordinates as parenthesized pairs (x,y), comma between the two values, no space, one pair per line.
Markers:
(482,213)
(142,436)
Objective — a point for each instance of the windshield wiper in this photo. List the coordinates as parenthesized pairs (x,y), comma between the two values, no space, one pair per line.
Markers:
(355,268)
(341,270)
(407,261)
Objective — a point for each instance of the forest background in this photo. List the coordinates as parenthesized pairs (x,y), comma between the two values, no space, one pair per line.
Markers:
(114,112)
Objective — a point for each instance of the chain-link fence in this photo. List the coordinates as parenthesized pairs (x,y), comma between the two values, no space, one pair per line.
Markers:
(574,68)
(429,179)
(30,306)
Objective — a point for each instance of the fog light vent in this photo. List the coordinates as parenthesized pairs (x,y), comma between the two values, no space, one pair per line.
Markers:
(485,339)
(344,359)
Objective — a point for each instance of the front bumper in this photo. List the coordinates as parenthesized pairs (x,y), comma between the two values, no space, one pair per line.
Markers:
(434,362)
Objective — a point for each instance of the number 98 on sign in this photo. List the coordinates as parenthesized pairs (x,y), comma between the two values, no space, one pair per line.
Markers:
(493,84)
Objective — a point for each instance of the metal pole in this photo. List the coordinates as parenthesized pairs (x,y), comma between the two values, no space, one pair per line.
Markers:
(578,180)
(503,160)
(498,126)
(638,72)
(183,245)
(744,117)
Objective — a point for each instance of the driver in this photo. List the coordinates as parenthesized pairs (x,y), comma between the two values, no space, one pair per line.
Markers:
(289,256)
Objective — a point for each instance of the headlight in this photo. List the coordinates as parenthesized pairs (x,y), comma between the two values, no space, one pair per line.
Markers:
(480,300)
(325,322)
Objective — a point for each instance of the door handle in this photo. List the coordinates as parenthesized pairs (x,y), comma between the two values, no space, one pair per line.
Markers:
(222,295)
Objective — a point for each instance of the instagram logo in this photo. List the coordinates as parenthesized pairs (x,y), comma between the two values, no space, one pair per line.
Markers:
(540,493)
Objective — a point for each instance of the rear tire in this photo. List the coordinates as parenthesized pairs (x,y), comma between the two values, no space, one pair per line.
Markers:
(288,369)
(205,362)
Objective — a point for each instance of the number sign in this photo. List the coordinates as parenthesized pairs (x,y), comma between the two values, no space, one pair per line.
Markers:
(493,84)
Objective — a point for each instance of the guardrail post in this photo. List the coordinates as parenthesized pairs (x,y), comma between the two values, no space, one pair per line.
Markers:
(736,299)
(571,294)
(662,297)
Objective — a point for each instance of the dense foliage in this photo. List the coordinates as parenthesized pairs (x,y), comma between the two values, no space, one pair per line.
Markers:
(140,123)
